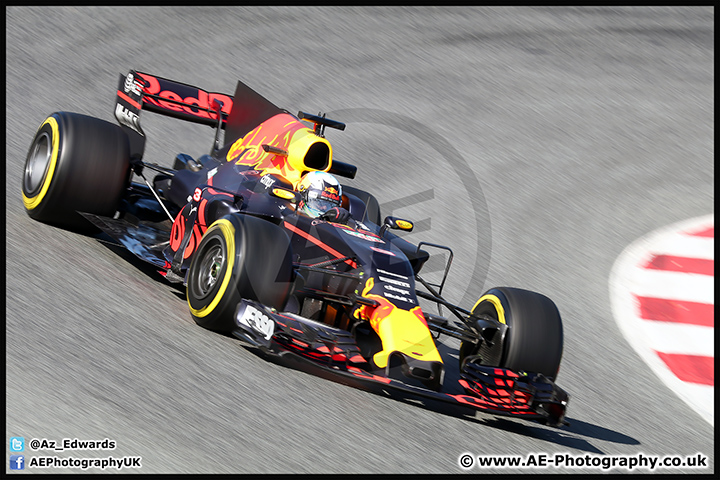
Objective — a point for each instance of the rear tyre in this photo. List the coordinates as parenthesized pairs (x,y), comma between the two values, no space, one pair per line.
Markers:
(239,257)
(534,339)
(75,163)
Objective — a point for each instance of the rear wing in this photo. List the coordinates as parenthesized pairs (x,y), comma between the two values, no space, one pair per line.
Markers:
(142,91)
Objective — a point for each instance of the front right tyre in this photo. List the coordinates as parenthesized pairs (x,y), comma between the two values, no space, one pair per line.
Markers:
(534,339)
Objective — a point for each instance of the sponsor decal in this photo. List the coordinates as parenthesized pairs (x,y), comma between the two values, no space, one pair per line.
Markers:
(287,195)
(127,118)
(331,196)
(397,297)
(394,282)
(267,180)
(380,250)
(364,236)
(394,289)
(131,86)
(404,225)
(258,321)
(179,230)
(385,272)
(154,86)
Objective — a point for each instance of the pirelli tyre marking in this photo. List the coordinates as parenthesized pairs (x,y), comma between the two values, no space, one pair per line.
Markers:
(46,165)
(495,301)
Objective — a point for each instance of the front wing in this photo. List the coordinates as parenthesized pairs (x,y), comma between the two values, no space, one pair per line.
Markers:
(332,353)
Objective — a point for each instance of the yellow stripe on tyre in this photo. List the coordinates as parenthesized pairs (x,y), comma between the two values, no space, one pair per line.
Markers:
(495,301)
(228,231)
(33,202)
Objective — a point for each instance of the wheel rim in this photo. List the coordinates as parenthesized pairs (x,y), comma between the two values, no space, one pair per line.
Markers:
(37,163)
(209,270)
(493,355)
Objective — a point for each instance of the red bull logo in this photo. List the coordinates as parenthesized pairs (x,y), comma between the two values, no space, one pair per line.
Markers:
(331,196)
(400,330)
(203,99)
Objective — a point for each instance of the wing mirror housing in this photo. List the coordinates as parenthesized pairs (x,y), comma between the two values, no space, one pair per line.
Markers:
(396,223)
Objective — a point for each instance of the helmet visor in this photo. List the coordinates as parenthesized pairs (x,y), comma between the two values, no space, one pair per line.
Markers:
(319,202)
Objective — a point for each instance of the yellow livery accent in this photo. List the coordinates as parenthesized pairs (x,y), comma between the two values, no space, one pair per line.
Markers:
(283,194)
(228,231)
(404,225)
(404,331)
(496,303)
(33,202)
(306,151)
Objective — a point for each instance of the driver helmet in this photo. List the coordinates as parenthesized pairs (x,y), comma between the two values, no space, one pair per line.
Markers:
(320,192)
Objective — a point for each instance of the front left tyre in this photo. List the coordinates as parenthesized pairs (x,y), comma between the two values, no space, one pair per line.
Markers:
(76,163)
(239,257)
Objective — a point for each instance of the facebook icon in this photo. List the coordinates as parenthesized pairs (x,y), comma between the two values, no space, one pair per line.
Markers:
(17,462)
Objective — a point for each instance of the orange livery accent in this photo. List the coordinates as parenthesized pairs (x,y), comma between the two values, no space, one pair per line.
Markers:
(178,232)
(404,331)
(284,132)
(193,243)
(201,215)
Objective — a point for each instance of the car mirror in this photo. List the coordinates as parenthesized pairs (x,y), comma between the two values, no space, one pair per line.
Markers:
(293,197)
(396,224)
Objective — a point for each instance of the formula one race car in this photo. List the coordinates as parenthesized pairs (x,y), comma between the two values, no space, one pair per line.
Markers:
(331,294)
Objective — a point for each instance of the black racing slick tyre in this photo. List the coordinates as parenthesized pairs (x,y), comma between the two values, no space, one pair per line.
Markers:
(534,339)
(372,207)
(76,163)
(239,257)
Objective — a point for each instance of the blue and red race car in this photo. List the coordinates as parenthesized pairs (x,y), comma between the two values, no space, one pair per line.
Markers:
(336,294)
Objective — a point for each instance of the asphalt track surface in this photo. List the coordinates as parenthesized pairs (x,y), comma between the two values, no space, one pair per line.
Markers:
(573,131)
